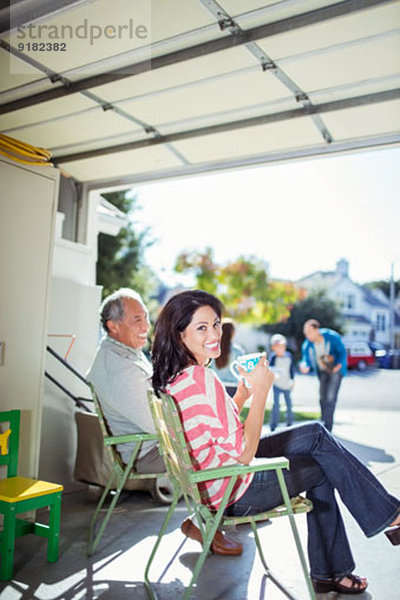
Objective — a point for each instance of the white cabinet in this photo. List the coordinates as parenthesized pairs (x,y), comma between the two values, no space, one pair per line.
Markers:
(28,204)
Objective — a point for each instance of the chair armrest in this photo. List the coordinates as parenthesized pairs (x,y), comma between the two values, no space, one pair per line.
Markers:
(258,464)
(130,437)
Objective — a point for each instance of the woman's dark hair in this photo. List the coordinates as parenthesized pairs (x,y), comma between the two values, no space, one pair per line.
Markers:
(228,331)
(169,353)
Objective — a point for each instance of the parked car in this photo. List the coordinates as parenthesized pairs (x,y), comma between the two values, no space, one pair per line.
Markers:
(394,359)
(381,354)
(359,356)
(385,358)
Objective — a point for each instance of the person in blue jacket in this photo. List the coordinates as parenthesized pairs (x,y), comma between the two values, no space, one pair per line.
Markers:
(324,352)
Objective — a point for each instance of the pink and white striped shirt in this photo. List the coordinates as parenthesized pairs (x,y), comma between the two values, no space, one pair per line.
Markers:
(212,428)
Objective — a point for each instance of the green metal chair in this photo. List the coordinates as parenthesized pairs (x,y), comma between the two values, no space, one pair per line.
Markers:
(185,479)
(159,484)
(23,494)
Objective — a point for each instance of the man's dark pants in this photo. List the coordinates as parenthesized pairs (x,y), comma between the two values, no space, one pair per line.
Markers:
(329,384)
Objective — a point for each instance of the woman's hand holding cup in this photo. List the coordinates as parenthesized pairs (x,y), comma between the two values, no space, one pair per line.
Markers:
(243,392)
(260,378)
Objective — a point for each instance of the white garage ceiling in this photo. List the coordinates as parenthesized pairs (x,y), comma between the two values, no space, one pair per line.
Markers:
(201,85)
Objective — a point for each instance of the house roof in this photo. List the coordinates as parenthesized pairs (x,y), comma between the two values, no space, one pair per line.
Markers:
(110,218)
(212,85)
(373,300)
(329,279)
(357,319)
(324,279)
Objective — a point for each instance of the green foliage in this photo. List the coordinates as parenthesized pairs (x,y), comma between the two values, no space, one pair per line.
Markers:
(120,258)
(298,415)
(242,285)
(202,265)
(315,306)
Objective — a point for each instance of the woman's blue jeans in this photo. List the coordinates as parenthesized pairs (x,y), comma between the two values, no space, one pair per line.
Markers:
(319,465)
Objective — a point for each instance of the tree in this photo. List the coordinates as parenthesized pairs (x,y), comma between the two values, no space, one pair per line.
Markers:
(120,259)
(249,296)
(203,267)
(315,306)
(242,285)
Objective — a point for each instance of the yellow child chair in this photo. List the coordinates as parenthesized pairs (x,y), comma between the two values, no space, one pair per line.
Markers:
(22,494)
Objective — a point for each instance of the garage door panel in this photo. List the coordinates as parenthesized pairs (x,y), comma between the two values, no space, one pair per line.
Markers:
(121,163)
(250,141)
(218,95)
(364,121)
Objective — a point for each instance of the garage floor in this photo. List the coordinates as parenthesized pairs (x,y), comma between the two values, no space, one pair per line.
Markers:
(116,570)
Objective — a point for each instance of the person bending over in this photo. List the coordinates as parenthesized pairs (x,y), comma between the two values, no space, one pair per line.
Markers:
(324,352)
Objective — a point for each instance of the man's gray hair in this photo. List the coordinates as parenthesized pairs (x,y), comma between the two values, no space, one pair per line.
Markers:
(112,307)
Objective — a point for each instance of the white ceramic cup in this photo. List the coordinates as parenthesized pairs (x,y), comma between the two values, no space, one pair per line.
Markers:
(246,361)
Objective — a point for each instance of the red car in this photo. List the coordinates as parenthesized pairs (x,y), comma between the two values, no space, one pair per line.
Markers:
(359,356)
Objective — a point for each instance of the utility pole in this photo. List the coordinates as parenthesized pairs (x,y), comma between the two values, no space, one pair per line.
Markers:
(391,314)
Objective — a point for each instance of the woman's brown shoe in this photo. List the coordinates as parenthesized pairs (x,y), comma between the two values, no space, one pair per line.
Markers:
(221,543)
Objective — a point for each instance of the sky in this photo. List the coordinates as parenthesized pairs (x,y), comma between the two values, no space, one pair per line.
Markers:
(299,217)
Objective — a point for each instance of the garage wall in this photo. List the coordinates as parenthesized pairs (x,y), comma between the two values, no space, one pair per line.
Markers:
(73,310)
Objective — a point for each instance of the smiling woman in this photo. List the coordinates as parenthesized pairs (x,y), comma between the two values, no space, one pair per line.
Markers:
(187,334)
(202,337)
(175,325)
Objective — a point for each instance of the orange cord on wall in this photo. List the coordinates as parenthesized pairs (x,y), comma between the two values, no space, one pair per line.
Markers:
(23,152)
(67,335)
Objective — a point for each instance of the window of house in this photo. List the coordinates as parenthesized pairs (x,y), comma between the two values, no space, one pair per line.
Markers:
(381,322)
(68,205)
(349,301)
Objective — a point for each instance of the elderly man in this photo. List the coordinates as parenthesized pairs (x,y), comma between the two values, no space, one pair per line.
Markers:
(121,375)
(324,351)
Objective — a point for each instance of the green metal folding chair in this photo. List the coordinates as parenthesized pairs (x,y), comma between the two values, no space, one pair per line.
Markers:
(159,484)
(185,479)
(23,494)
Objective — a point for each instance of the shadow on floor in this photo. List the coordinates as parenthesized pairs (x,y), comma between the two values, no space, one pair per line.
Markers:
(367,454)
(116,569)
